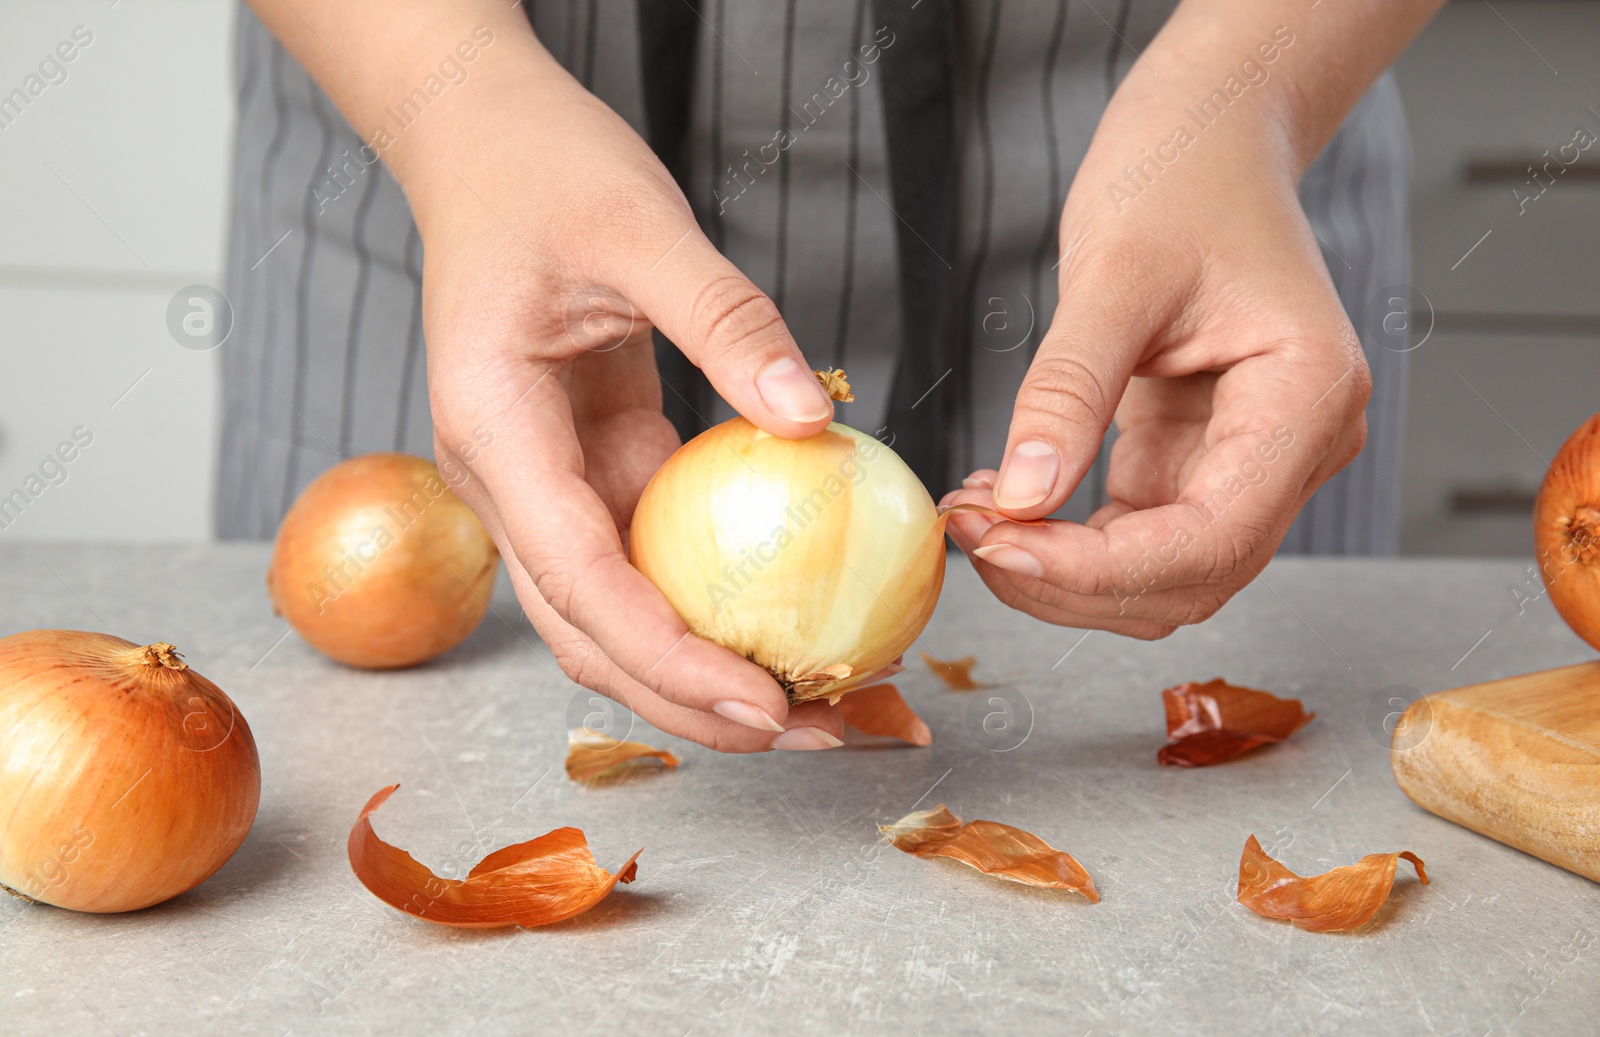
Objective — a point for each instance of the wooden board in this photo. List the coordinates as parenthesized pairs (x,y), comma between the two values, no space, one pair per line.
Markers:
(1517,760)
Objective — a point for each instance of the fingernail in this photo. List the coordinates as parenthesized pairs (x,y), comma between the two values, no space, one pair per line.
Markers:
(978,482)
(1010,558)
(1029,476)
(806,738)
(746,714)
(792,392)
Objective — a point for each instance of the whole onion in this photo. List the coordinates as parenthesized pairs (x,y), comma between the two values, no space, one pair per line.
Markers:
(125,777)
(379,565)
(819,559)
(1566,531)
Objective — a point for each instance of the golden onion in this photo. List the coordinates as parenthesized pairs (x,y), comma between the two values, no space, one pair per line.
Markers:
(126,778)
(379,565)
(819,559)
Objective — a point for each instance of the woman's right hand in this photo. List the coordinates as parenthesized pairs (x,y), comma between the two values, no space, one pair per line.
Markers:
(554,240)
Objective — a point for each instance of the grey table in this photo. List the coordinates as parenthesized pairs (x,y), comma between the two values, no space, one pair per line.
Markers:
(765,901)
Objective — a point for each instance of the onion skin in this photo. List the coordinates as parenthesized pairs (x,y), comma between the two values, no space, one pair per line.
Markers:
(1566,531)
(819,559)
(379,565)
(125,777)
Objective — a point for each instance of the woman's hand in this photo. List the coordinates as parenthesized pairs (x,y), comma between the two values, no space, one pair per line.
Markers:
(1197,314)
(554,241)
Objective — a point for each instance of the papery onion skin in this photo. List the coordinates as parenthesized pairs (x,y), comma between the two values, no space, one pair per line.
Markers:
(379,565)
(1566,531)
(820,559)
(126,778)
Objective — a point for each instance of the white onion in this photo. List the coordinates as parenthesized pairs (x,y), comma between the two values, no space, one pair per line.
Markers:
(819,559)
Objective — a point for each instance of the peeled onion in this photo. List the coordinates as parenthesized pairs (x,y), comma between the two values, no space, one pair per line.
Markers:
(125,777)
(1566,531)
(379,565)
(819,559)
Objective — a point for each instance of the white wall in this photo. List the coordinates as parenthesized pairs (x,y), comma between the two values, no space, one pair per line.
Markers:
(113,185)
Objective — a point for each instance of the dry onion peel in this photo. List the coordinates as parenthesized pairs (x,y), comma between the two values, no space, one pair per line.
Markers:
(1216,721)
(1566,531)
(880,710)
(126,778)
(592,756)
(956,674)
(544,880)
(1343,898)
(992,848)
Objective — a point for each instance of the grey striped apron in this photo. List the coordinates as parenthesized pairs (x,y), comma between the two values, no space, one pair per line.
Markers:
(930,280)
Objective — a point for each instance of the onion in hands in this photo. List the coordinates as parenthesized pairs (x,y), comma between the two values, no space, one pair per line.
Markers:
(819,559)
(1566,531)
(125,777)
(379,565)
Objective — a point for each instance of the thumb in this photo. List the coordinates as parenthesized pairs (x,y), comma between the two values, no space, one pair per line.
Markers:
(729,329)
(1066,403)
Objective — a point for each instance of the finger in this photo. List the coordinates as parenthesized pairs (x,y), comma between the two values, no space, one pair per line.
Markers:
(1068,399)
(1033,596)
(561,532)
(1178,606)
(810,725)
(1273,432)
(1148,460)
(735,334)
(1008,588)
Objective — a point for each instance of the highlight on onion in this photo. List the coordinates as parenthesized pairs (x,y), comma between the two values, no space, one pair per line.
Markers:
(1566,531)
(379,565)
(126,778)
(819,559)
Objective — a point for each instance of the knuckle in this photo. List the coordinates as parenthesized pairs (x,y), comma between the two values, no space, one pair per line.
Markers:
(719,739)
(557,585)
(729,310)
(1360,380)
(1242,541)
(1198,609)
(1355,439)
(1065,388)
(577,660)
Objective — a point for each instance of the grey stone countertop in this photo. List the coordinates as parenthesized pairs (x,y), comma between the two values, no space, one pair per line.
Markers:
(765,901)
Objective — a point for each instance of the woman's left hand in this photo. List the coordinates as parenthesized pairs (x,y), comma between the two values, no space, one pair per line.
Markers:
(1197,313)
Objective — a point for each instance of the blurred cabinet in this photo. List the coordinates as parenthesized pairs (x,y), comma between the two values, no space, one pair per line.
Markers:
(1513,363)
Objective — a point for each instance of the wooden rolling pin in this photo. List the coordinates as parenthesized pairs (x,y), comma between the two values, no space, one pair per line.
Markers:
(1516,759)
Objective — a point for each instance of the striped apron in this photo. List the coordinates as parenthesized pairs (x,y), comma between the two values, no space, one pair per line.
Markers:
(907,231)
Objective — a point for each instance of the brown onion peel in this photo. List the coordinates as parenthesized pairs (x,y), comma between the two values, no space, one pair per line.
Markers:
(1216,721)
(880,710)
(956,673)
(1344,898)
(126,777)
(992,848)
(1566,531)
(593,756)
(539,882)
(379,565)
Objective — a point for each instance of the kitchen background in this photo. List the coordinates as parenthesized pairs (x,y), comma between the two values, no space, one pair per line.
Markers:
(137,137)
